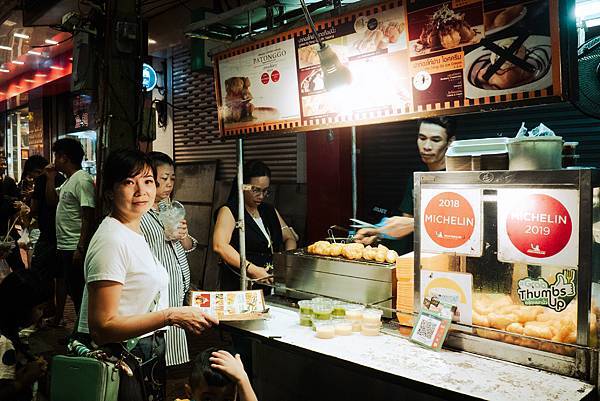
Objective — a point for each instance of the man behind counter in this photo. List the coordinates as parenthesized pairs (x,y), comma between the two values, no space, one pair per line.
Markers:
(435,135)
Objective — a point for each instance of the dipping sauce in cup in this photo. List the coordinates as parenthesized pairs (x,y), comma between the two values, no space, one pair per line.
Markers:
(372,316)
(343,327)
(324,329)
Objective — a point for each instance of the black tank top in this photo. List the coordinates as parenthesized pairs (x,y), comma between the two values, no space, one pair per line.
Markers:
(258,249)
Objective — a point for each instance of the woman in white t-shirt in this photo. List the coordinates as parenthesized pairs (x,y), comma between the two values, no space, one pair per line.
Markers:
(126,294)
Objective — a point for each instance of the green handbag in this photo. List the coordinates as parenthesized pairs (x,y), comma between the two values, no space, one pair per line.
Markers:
(82,378)
(75,378)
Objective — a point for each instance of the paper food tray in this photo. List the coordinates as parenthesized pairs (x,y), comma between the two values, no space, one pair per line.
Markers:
(232,305)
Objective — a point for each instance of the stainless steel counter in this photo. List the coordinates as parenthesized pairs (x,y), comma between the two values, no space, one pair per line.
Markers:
(352,280)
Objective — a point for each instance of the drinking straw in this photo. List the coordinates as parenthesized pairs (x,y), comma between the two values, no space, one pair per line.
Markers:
(10,229)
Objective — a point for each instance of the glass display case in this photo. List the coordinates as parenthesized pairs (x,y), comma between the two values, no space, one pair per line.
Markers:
(521,263)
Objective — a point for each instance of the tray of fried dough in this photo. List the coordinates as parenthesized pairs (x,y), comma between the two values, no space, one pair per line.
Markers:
(353,251)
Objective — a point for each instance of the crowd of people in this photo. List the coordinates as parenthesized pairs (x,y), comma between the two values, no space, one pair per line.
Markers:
(127,280)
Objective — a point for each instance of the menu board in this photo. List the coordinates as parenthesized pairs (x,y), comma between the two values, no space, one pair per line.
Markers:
(400,60)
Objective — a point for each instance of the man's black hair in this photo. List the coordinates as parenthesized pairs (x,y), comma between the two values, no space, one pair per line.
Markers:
(445,122)
(71,148)
(203,372)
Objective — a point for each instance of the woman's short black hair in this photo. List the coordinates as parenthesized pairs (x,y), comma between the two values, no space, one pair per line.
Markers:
(71,148)
(160,158)
(124,163)
(255,168)
(34,162)
(20,292)
(202,372)
(445,122)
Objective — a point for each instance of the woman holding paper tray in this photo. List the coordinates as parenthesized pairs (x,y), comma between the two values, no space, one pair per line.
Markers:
(126,297)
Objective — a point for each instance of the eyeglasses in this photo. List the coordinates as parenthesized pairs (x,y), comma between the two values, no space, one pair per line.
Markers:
(257,191)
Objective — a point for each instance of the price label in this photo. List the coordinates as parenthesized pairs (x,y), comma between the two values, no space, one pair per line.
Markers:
(451,221)
(538,226)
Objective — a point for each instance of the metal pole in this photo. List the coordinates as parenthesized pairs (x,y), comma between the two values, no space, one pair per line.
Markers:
(241,212)
(354,179)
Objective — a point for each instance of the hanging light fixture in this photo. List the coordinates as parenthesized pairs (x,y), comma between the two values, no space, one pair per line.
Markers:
(335,74)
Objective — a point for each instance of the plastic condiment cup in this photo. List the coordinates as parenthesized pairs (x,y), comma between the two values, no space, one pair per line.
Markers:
(343,327)
(305,307)
(321,310)
(324,329)
(370,330)
(354,312)
(371,316)
(339,309)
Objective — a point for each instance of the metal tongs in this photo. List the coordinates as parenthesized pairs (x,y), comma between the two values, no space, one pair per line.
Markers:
(334,239)
(363,224)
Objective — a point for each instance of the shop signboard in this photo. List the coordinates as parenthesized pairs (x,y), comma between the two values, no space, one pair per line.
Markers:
(538,226)
(451,221)
(405,58)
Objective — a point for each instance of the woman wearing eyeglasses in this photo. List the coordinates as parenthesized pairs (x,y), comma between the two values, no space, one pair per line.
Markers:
(266,231)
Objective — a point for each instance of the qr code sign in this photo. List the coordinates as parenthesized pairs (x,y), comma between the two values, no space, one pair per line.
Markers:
(426,331)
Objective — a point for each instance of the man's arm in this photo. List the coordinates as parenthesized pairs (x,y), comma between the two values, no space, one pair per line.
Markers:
(51,194)
(87,226)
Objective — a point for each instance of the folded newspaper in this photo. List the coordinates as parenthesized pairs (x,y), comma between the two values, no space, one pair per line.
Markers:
(231,305)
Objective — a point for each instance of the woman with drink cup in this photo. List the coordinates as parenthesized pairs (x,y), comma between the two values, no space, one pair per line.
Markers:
(165,230)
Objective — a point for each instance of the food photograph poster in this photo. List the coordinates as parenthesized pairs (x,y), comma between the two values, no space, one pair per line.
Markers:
(401,59)
(259,86)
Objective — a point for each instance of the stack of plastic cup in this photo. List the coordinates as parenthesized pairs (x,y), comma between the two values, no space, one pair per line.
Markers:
(371,322)
(305,312)
(354,315)
(321,310)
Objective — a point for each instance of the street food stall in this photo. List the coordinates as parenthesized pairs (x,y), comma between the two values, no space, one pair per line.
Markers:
(511,249)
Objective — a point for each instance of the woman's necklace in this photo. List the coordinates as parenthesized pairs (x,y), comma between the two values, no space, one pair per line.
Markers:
(254,213)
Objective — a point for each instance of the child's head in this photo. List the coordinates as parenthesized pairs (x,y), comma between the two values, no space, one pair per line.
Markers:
(208,384)
(23,295)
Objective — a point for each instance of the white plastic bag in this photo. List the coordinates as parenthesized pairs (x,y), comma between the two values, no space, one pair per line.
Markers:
(540,130)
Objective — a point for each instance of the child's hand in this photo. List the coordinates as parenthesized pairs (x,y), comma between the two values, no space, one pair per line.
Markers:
(231,366)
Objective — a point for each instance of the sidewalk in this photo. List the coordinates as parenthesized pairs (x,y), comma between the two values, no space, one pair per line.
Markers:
(50,341)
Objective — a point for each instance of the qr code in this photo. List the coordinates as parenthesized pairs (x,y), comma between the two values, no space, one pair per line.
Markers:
(427,328)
